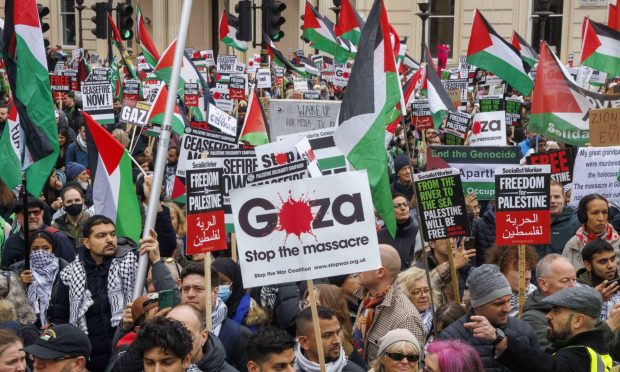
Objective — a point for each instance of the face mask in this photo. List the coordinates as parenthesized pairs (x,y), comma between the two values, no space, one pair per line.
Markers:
(224,292)
(73,209)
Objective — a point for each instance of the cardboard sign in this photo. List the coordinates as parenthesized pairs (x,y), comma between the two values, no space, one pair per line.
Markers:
(226,64)
(300,85)
(561,162)
(282,173)
(605,127)
(522,214)
(275,154)
(60,85)
(196,140)
(236,165)
(263,78)
(513,111)
(488,129)
(329,157)
(456,128)
(595,172)
(97,100)
(341,75)
(136,113)
(318,61)
(288,116)
(477,165)
(221,96)
(205,209)
(284,237)
(222,121)
(131,91)
(441,204)
(422,116)
(237,86)
(143,65)
(312,94)
(491,103)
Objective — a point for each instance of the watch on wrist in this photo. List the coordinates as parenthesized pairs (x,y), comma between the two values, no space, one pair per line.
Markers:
(500,335)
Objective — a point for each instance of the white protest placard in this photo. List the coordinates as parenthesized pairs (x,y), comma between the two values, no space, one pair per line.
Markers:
(595,172)
(283,237)
(97,101)
(196,140)
(288,116)
(341,76)
(221,96)
(278,153)
(288,172)
(208,56)
(488,129)
(263,78)
(221,120)
(239,68)
(300,85)
(226,64)
(305,150)
(135,113)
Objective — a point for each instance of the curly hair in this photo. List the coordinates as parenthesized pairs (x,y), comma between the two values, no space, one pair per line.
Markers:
(165,334)
(507,257)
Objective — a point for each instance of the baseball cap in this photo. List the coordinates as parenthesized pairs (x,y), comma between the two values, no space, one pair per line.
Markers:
(585,300)
(59,341)
(142,305)
(18,205)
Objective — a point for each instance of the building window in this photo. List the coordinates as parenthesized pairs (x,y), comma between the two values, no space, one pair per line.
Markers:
(441,25)
(67,22)
(552,24)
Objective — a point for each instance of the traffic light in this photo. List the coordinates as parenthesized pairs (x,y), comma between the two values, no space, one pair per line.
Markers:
(302,17)
(244,27)
(124,21)
(336,8)
(100,20)
(43,12)
(272,18)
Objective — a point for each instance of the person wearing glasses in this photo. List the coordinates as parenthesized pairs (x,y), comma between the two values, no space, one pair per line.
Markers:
(406,231)
(14,246)
(306,350)
(399,350)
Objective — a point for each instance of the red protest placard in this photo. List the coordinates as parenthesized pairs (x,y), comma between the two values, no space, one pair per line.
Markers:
(206,232)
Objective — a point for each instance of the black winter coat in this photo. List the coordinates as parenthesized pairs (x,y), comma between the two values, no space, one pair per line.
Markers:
(483,230)
(404,241)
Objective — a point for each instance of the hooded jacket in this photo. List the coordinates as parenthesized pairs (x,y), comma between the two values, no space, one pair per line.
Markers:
(562,229)
(214,358)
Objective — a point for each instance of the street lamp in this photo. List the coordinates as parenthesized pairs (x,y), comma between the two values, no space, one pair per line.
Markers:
(543,13)
(423,14)
(80,6)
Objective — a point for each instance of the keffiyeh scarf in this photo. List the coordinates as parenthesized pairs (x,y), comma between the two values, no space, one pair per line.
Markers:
(303,364)
(44,267)
(219,313)
(121,277)
(584,237)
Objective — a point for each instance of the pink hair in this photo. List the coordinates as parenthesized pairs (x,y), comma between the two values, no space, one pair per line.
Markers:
(456,356)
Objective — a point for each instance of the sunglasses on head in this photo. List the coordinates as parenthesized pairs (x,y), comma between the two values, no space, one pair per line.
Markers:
(411,358)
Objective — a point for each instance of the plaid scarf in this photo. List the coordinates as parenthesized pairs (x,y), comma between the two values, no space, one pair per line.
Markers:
(364,320)
(583,237)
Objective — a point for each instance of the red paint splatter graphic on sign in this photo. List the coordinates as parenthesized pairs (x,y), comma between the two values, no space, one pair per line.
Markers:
(295,217)
(281,158)
(475,129)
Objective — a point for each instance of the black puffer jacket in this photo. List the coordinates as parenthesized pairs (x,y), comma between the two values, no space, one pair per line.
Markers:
(215,356)
(404,241)
(514,328)
(483,230)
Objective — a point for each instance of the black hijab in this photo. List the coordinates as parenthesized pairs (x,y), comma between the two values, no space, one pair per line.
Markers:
(228,267)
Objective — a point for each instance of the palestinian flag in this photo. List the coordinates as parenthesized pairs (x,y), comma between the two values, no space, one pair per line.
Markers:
(438,100)
(280,60)
(309,66)
(114,193)
(528,54)
(491,52)
(10,156)
(83,70)
(601,48)
(118,42)
(26,65)
(319,31)
(613,16)
(114,76)
(255,130)
(158,109)
(413,85)
(144,39)
(369,105)
(228,34)
(350,24)
(559,106)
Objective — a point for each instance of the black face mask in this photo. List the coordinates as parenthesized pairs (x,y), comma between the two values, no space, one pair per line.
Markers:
(73,209)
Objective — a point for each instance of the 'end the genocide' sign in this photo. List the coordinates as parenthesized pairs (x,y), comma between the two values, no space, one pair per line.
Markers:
(522,205)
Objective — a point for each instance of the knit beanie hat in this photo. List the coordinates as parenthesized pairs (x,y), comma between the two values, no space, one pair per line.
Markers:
(400,162)
(486,283)
(397,335)
(74,169)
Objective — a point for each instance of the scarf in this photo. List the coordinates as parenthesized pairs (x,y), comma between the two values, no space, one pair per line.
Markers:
(583,237)
(427,321)
(193,368)
(44,267)
(303,364)
(121,277)
(219,313)
(364,320)
(514,299)
(81,143)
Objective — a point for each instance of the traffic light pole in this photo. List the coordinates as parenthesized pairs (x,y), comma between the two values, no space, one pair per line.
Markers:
(80,6)
(110,54)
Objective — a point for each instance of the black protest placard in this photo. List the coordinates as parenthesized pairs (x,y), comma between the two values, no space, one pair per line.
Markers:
(60,85)
(288,172)
(422,116)
(98,74)
(191,95)
(491,103)
(561,161)
(512,106)
(456,128)
(205,209)
(441,204)
(237,86)
(311,94)
(197,140)
(73,74)
(131,91)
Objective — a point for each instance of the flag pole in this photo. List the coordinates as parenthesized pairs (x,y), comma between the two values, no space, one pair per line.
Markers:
(164,141)
(25,221)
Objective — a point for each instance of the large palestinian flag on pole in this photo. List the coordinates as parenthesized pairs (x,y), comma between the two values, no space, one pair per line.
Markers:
(10,157)
(228,34)
(528,54)
(613,16)
(438,100)
(255,130)
(491,52)
(149,51)
(368,106)
(114,193)
(319,31)
(350,24)
(158,109)
(26,64)
(560,107)
(601,48)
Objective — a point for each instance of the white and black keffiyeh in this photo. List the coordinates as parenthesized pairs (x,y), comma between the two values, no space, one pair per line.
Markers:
(121,277)
(44,267)
(219,313)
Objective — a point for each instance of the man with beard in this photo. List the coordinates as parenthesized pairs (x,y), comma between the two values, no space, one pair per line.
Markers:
(171,169)
(572,320)
(564,222)
(600,268)
(306,351)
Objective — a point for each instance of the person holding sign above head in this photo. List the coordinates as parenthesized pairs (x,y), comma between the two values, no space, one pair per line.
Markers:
(406,229)
(592,212)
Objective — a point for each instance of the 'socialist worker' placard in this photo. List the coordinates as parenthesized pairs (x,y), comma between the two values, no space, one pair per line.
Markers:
(522,205)
(305,229)
(441,204)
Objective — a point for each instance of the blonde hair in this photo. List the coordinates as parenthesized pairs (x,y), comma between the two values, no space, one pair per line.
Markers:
(407,280)
(181,219)
(121,136)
